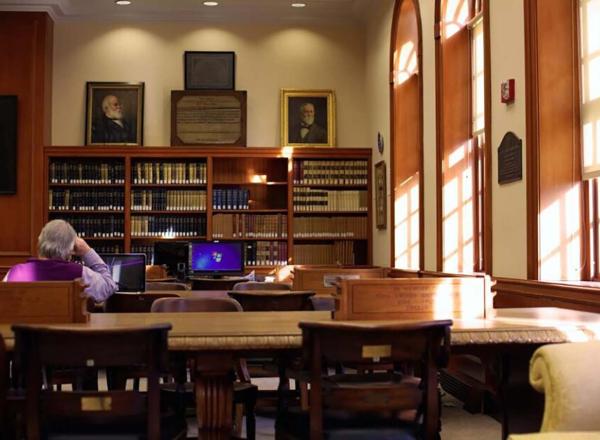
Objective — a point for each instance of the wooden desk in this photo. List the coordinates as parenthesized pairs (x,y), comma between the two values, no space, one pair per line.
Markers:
(213,339)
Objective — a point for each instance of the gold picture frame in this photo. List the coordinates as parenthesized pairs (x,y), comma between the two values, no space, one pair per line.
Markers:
(114,113)
(380,195)
(307,118)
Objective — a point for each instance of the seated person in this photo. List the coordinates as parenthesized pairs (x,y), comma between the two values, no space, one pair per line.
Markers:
(57,242)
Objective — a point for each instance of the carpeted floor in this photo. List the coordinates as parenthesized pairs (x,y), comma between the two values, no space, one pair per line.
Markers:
(457,424)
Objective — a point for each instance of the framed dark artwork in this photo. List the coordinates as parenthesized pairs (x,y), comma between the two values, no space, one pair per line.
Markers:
(208,117)
(114,113)
(380,195)
(307,118)
(209,70)
(8,144)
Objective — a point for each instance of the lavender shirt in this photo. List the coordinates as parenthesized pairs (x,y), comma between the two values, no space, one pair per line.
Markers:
(95,275)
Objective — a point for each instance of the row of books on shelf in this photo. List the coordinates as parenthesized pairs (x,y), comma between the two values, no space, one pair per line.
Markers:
(340,252)
(85,200)
(331,172)
(236,198)
(331,227)
(249,226)
(167,226)
(309,199)
(147,249)
(157,172)
(86,172)
(265,253)
(109,248)
(168,200)
(96,227)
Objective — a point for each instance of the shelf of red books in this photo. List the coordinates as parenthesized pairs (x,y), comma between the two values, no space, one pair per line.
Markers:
(265,252)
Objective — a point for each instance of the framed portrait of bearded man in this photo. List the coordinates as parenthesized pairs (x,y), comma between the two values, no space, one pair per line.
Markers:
(114,113)
(307,118)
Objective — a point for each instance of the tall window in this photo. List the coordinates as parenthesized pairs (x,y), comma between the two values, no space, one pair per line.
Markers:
(462,126)
(406,137)
(589,15)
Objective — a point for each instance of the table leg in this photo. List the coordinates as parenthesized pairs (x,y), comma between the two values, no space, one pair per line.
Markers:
(213,381)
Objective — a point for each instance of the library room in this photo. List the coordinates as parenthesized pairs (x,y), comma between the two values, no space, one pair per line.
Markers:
(316,219)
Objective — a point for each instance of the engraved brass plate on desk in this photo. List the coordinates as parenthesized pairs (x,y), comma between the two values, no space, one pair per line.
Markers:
(96,403)
(376,351)
(215,117)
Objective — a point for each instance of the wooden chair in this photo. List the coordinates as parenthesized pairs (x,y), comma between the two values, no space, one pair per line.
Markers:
(258,285)
(43,302)
(41,349)
(165,285)
(134,303)
(199,283)
(244,392)
(349,404)
(273,300)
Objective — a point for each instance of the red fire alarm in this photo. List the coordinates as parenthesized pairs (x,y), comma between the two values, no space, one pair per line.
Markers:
(507,91)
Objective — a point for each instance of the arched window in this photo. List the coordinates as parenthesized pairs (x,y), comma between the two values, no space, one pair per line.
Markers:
(407,136)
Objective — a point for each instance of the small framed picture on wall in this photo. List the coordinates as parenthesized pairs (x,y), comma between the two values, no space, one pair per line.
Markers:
(114,113)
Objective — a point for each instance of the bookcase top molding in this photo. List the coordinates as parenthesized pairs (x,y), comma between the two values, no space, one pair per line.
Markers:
(175,152)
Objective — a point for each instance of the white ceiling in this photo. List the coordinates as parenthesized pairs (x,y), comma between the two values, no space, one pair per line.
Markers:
(193,10)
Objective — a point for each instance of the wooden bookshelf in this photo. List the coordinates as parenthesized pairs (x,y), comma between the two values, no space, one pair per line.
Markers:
(257,195)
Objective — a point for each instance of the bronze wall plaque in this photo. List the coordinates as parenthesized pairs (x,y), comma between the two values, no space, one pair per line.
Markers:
(510,162)
(215,117)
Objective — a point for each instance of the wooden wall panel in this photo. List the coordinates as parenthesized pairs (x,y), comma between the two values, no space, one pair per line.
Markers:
(407,118)
(553,132)
(26,59)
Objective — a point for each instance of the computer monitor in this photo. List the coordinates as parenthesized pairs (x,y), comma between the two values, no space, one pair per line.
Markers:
(174,255)
(216,258)
(127,270)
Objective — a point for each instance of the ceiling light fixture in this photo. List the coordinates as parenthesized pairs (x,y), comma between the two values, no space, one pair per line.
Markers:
(298,5)
(210,3)
(122,2)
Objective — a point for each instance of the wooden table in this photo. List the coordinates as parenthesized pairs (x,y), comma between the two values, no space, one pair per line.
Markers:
(214,339)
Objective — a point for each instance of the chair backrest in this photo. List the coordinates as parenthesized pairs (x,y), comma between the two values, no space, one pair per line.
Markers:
(178,305)
(165,285)
(199,283)
(41,348)
(424,345)
(42,302)
(273,300)
(134,303)
(257,285)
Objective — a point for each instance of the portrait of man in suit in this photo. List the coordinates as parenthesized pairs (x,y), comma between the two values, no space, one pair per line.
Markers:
(308,120)
(114,115)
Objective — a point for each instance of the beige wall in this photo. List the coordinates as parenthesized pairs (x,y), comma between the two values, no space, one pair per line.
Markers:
(507,61)
(378,38)
(509,205)
(268,58)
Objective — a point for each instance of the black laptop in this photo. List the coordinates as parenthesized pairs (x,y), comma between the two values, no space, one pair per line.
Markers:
(128,271)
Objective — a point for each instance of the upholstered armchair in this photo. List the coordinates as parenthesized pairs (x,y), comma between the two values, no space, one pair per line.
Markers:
(568,375)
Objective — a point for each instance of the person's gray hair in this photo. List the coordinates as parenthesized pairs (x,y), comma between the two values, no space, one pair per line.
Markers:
(57,240)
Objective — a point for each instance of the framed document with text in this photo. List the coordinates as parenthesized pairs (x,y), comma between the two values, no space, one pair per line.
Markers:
(208,117)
